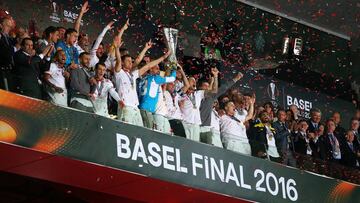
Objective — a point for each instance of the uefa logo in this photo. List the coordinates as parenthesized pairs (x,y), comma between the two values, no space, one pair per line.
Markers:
(273,93)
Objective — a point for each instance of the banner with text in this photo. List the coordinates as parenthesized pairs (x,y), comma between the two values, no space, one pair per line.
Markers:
(43,126)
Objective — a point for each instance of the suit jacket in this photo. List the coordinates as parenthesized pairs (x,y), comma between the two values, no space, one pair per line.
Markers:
(326,151)
(282,136)
(258,138)
(27,74)
(357,140)
(349,157)
(300,145)
(40,48)
(6,52)
(340,134)
(311,128)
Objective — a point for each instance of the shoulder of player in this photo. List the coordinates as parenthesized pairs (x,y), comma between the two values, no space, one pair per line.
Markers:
(224,117)
(107,81)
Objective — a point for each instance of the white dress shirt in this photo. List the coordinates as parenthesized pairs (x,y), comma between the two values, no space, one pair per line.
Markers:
(126,87)
(161,108)
(191,107)
(233,128)
(172,104)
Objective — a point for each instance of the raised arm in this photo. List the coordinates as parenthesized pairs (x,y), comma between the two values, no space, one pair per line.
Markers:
(215,86)
(117,43)
(153,63)
(186,86)
(214,83)
(140,57)
(251,112)
(100,37)
(119,36)
(122,30)
(211,83)
(168,79)
(84,9)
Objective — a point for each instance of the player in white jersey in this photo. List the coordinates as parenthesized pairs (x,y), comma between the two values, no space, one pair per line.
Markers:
(55,79)
(104,87)
(126,76)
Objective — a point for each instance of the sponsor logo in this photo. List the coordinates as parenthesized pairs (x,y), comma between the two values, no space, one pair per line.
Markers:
(303,105)
(54,17)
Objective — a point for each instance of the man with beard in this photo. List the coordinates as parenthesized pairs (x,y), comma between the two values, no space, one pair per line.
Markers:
(82,85)
(104,87)
(55,78)
(263,136)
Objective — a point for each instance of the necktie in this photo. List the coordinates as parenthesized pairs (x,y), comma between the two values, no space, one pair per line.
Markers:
(234,118)
(6,38)
(351,147)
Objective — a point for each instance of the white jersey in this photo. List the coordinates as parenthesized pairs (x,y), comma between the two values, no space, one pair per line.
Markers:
(103,89)
(172,104)
(241,115)
(126,87)
(191,107)
(215,120)
(161,107)
(178,85)
(272,150)
(57,78)
(233,128)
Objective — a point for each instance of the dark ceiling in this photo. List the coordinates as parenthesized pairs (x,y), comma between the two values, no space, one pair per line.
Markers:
(340,17)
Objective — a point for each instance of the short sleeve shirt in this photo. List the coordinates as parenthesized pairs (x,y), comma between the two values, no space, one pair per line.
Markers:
(57,78)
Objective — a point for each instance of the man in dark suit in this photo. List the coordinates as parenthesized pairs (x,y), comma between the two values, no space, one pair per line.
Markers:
(283,139)
(305,145)
(27,69)
(350,152)
(354,126)
(6,54)
(339,130)
(329,144)
(314,121)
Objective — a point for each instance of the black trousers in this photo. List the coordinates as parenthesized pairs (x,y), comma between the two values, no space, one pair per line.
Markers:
(7,80)
(177,127)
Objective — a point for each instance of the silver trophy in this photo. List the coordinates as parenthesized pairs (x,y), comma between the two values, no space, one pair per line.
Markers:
(272,88)
(54,6)
(171,35)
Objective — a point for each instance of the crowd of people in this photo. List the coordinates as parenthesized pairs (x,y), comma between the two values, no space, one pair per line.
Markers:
(64,68)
